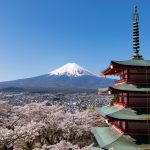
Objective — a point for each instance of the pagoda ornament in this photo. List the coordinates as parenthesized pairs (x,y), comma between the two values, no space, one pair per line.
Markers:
(136,43)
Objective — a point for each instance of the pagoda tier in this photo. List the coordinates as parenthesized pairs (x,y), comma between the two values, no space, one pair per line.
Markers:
(129,95)
(111,138)
(130,88)
(127,120)
(122,113)
(130,71)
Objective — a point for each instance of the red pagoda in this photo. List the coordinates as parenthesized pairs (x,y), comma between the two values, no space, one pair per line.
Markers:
(128,114)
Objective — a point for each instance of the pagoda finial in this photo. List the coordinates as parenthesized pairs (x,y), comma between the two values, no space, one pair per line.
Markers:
(136,44)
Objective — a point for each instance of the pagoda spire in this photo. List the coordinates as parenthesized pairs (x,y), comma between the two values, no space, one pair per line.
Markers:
(136,44)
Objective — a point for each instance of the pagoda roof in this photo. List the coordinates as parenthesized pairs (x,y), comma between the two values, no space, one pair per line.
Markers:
(115,66)
(102,91)
(131,87)
(106,135)
(122,113)
(137,63)
(125,87)
(109,137)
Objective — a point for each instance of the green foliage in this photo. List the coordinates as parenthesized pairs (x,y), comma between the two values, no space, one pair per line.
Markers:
(114,99)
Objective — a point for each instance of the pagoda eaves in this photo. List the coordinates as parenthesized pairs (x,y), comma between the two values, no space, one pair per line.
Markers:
(122,113)
(116,67)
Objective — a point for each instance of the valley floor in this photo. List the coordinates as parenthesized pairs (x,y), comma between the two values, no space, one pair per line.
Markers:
(72,101)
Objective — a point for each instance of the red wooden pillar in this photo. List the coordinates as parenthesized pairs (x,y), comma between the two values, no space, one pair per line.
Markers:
(128,76)
(127,104)
(126,130)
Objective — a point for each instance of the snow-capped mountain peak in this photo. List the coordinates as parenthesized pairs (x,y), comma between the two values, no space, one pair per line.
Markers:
(71,69)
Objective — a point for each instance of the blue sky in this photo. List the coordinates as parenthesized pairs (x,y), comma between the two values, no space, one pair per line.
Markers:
(38,36)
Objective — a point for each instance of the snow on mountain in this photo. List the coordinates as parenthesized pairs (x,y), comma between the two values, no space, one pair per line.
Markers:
(71,69)
(68,76)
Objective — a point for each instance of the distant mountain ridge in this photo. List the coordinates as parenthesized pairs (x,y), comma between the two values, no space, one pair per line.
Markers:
(70,75)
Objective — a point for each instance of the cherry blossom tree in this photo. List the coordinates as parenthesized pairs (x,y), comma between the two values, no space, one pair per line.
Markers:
(24,127)
(63,145)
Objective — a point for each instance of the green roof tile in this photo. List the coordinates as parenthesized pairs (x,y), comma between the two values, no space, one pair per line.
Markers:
(132,88)
(125,142)
(110,138)
(105,135)
(119,112)
(102,89)
(133,63)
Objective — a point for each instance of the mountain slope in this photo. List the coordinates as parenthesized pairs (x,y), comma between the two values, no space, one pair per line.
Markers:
(70,75)
(71,69)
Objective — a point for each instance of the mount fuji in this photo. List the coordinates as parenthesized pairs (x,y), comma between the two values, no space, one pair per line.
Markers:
(71,70)
(69,76)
